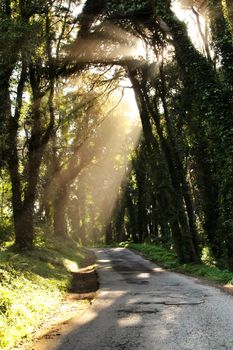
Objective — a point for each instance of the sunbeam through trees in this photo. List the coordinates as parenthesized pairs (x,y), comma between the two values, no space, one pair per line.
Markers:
(117,124)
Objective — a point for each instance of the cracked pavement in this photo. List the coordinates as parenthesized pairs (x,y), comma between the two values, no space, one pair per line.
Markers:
(141,306)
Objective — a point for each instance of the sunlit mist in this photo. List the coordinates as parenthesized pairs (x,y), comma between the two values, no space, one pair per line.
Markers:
(97,189)
(183,10)
(106,44)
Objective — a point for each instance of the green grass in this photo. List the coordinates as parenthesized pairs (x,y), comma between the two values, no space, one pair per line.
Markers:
(31,285)
(168,259)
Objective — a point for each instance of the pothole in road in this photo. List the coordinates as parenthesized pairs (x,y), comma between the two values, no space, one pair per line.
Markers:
(133,311)
(171,302)
(166,299)
(136,281)
(183,302)
(145,303)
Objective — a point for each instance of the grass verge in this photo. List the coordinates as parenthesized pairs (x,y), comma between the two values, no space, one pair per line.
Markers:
(168,259)
(32,284)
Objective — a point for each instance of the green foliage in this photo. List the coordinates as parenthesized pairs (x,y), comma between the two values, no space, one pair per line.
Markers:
(193,151)
(127,8)
(31,286)
(5,301)
(168,259)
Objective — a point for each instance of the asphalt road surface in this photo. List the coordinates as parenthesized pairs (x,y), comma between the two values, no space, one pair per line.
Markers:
(141,306)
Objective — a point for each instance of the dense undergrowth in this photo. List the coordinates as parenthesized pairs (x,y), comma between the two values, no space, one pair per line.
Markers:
(167,258)
(31,286)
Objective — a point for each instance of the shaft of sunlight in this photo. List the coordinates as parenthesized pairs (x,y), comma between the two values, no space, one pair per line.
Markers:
(184,12)
(102,179)
(108,43)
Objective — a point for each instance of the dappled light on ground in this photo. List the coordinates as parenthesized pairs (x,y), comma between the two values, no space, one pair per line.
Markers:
(75,167)
(174,312)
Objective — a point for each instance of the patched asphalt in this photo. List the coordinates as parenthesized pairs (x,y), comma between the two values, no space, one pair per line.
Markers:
(141,306)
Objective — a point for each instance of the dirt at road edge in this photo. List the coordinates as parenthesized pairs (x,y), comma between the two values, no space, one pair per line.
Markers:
(84,286)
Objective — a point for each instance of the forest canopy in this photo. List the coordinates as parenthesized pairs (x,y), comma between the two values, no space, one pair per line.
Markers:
(117,124)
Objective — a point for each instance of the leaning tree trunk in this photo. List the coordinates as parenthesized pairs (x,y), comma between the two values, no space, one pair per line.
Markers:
(20,213)
(211,106)
(183,245)
(37,143)
(190,251)
(178,165)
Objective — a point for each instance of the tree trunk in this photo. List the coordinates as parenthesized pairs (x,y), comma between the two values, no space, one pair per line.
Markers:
(230,11)
(222,37)
(178,164)
(132,215)
(24,227)
(108,233)
(59,215)
(5,116)
(183,242)
(141,199)
(25,233)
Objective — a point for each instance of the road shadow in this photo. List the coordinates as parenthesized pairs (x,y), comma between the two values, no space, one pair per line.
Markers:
(139,306)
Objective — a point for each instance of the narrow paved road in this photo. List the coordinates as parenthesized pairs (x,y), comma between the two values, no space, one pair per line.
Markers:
(140,306)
